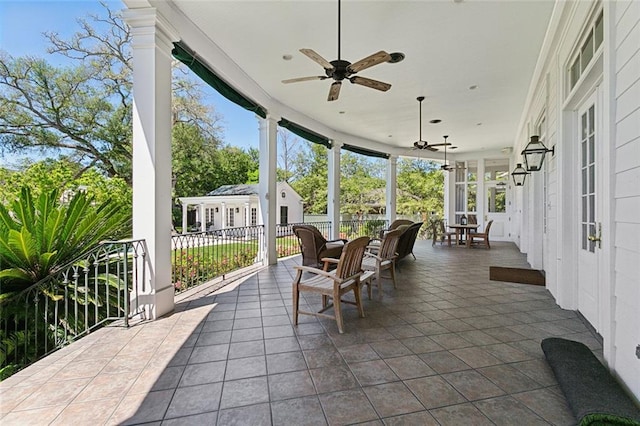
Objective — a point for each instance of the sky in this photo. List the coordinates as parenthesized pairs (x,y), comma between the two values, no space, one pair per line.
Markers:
(22,24)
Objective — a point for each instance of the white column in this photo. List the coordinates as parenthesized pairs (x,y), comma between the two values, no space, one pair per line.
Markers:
(223,215)
(203,218)
(152,43)
(333,193)
(392,184)
(185,212)
(267,185)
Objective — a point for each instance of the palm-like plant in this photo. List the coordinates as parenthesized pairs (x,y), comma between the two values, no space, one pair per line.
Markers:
(38,236)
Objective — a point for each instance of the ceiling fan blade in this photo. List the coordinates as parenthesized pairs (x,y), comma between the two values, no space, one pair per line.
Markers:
(334,91)
(374,84)
(431,148)
(296,80)
(439,144)
(369,61)
(317,58)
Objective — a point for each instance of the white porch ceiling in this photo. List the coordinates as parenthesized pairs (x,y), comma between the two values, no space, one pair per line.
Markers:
(449,47)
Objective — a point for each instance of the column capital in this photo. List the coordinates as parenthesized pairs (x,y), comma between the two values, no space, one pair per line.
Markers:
(393,159)
(146,24)
(336,144)
(271,120)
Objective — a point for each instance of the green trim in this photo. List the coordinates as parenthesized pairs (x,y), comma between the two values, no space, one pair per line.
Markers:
(365,151)
(304,133)
(184,55)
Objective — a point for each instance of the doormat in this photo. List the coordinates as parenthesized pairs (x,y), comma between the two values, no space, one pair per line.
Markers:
(516,275)
(594,396)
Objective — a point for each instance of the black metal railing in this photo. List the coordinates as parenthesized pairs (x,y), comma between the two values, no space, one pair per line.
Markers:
(199,257)
(354,228)
(99,287)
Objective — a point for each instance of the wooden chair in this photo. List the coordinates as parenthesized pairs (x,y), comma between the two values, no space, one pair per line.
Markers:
(314,247)
(440,233)
(483,236)
(381,258)
(332,285)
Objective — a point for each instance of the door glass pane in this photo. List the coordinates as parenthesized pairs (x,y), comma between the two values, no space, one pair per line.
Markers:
(496,170)
(496,200)
(588,179)
(472,171)
(471,198)
(460,198)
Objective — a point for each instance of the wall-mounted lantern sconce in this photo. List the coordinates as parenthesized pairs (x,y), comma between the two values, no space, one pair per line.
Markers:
(519,174)
(534,154)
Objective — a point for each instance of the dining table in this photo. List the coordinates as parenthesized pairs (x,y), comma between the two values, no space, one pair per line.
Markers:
(463,230)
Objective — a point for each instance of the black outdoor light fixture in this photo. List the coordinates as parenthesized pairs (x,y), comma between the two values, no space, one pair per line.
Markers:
(519,175)
(534,154)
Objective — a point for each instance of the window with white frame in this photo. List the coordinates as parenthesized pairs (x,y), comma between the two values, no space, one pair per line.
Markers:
(466,190)
(208,214)
(230,217)
(284,215)
(496,174)
(592,40)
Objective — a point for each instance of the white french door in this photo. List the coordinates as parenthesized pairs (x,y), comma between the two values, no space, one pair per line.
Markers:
(588,215)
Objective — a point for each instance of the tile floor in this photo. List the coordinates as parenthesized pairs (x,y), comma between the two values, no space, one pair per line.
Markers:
(447,347)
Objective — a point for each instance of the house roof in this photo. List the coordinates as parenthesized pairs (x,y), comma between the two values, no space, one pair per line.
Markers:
(242,189)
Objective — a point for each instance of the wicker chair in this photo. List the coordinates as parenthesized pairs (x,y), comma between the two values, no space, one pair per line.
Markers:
(314,246)
(407,241)
(394,225)
(332,285)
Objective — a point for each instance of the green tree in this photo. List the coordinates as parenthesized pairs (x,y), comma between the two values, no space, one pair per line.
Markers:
(311,177)
(66,176)
(420,188)
(84,111)
(362,188)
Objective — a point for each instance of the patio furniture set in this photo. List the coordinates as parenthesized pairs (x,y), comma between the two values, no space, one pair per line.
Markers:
(333,268)
(464,233)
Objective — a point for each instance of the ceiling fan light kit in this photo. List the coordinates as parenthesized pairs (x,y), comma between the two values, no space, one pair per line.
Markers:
(340,70)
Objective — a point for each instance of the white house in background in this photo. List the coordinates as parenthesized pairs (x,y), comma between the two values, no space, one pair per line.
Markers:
(233,206)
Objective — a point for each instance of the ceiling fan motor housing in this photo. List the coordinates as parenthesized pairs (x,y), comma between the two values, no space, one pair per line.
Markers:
(340,70)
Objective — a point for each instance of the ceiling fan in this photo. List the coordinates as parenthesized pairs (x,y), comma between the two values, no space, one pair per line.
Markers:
(446,166)
(420,144)
(339,69)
